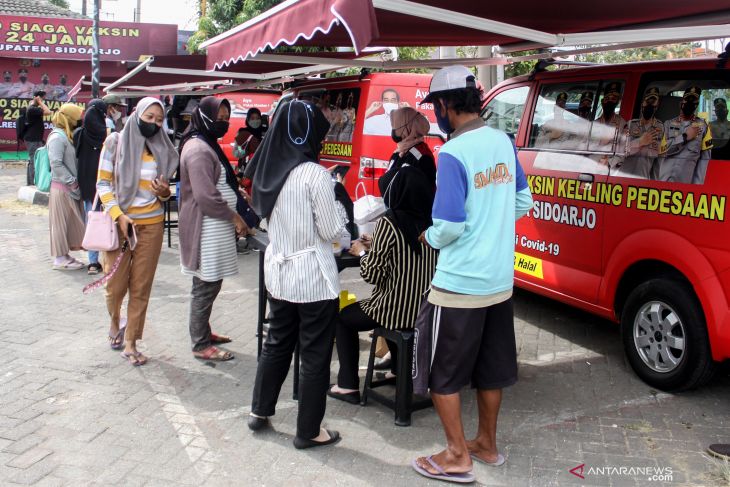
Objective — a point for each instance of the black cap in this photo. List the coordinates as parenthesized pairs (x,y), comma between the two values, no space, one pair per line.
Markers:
(692,92)
(612,88)
(40,93)
(652,92)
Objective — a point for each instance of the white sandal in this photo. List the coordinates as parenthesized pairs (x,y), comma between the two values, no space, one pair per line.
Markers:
(71,265)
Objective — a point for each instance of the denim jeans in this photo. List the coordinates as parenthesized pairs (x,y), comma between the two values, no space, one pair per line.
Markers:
(93,255)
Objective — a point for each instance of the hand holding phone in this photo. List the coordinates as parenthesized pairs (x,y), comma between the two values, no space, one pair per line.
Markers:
(132,237)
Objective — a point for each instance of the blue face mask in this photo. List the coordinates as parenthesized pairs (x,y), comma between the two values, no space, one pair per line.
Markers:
(443,120)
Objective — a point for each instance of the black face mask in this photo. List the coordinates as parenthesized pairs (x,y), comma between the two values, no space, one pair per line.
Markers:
(608,108)
(148,129)
(220,127)
(721,114)
(584,112)
(648,111)
(688,109)
(23,79)
(396,138)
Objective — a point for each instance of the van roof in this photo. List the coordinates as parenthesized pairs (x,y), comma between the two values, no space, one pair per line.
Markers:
(643,66)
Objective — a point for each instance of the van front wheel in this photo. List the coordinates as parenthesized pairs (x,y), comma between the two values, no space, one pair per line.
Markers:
(665,336)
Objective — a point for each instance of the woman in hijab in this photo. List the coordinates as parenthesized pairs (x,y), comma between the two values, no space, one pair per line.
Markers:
(247,141)
(208,220)
(88,141)
(409,129)
(65,211)
(398,265)
(294,193)
(135,167)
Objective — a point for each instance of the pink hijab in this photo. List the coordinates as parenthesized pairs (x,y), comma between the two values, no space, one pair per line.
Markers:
(409,124)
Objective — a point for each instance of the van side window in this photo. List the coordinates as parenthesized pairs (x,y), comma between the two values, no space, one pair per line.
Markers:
(340,108)
(504,111)
(679,123)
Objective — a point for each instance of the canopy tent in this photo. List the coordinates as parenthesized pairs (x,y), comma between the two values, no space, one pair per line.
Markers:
(172,74)
(509,25)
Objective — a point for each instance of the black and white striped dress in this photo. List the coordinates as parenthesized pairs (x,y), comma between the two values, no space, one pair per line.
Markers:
(218,257)
(400,277)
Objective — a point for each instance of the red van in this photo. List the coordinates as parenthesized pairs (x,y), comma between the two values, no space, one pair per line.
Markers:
(241,101)
(358,109)
(629,168)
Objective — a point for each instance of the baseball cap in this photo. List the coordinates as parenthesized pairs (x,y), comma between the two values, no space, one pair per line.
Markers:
(113,100)
(450,78)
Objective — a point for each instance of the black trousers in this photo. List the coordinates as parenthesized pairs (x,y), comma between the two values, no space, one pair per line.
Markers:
(201,306)
(351,321)
(313,326)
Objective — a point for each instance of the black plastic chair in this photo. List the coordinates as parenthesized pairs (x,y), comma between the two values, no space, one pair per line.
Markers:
(404,403)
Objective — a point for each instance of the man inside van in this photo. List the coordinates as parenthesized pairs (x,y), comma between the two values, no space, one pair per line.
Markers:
(555,133)
(585,106)
(687,143)
(468,316)
(720,127)
(380,124)
(604,134)
(643,138)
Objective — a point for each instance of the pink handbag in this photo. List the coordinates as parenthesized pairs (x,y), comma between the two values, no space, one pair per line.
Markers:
(101,230)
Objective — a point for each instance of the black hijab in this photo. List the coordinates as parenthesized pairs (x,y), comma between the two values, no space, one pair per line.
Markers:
(295,137)
(200,128)
(88,141)
(409,198)
(259,132)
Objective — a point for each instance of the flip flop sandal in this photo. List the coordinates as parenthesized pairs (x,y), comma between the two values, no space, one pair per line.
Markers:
(71,265)
(457,478)
(214,354)
(116,341)
(140,358)
(218,339)
(500,460)
(131,358)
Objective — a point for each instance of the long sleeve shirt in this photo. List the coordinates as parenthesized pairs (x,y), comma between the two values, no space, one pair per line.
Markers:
(299,265)
(481,191)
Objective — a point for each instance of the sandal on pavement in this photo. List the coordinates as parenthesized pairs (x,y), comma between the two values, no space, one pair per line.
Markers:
(303,443)
(218,339)
(93,269)
(458,478)
(213,353)
(70,265)
(500,460)
(116,341)
(131,358)
(349,397)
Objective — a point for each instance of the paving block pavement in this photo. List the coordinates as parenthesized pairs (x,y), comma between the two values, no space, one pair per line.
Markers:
(72,412)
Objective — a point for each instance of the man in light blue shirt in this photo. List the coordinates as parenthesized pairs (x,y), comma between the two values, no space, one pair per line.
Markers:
(468,317)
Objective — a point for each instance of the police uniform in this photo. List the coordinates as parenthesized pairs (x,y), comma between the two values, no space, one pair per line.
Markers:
(547,135)
(640,160)
(20,89)
(606,131)
(720,128)
(685,161)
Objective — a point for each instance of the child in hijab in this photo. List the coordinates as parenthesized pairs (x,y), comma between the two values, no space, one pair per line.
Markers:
(135,167)
(65,211)
(294,193)
(88,141)
(208,220)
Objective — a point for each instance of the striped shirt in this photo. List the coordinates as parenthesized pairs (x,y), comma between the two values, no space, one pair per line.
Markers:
(400,276)
(299,264)
(146,208)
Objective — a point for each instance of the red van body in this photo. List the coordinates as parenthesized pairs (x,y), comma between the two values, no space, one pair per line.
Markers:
(649,252)
(241,101)
(360,136)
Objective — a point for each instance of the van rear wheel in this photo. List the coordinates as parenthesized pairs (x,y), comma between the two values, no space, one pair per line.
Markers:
(665,336)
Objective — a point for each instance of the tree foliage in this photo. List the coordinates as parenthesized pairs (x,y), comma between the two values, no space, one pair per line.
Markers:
(60,3)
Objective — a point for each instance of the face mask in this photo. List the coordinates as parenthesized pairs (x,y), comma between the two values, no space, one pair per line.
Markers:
(443,120)
(389,107)
(116,115)
(219,129)
(254,124)
(688,109)
(63,81)
(608,108)
(148,129)
(396,138)
(23,79)
(648,111)
(721,114)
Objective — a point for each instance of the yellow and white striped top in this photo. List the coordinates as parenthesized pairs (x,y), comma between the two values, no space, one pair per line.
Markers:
(146,208)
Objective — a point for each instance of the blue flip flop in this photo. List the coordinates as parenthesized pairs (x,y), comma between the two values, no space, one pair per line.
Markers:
(458,478)
(500,460)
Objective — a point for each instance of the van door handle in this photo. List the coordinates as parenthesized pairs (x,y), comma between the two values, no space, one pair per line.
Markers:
(586,177)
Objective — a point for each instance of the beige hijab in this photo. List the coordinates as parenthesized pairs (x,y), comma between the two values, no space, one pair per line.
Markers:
(409,124)
(66,118)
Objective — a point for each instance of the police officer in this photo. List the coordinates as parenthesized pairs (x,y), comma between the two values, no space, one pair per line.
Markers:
(687,143)
(643,138)
(720,128)
(607,127)
(585,106)
(7,84)
(553,133)
(22,88)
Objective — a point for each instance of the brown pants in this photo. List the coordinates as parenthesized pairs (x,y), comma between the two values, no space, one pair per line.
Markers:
(136,273)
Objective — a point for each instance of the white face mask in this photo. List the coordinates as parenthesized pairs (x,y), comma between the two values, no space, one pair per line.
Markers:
(116,115)
(389,107)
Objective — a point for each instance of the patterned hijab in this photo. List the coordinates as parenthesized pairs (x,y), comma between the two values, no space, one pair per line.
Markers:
(409,124)
(66,118)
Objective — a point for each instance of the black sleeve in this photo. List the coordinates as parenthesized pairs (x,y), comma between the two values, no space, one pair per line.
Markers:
(33,114)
